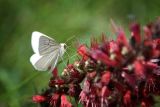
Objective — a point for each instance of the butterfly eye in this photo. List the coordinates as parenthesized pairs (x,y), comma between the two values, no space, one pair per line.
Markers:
(65,46)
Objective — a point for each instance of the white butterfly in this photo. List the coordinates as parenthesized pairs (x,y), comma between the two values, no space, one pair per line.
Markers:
(47,51)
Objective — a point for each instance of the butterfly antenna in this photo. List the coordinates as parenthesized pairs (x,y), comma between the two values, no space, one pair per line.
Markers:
(70,38)
(73,55)
(115,28)
(68,58)
(63,61)
(67,54)
(68,47)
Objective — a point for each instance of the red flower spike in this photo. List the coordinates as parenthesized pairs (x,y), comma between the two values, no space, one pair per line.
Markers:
(143,104)
(147,102)
(113,47)
(110,73)
(147,32)
(83,97)
(38,99)
(150,65)
(105,92)
(71,90)
(157,43)
(139,69)
(106,77)
(151,84)
(86,86)
(82,50)
(55,72)
(120,87)
(145,92)
(57,81)
(54,99)
(99,55)
(103,39)
(129,78)
(135,32)
(127,98)
(121,38)
(65,102)
(94,43)
(92,74)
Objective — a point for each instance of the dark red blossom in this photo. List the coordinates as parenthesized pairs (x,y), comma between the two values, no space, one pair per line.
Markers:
(127,98)
(57,81)
(110,73)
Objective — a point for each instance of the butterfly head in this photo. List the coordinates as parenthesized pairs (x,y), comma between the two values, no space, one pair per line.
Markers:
(63,48)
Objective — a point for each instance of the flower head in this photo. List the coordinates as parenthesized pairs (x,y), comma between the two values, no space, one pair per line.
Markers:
(110,73)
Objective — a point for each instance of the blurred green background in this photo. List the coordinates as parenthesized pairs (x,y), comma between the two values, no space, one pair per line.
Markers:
(59,19)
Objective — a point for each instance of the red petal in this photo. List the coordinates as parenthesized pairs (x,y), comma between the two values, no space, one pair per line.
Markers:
(94,43)
(106,77)
(113,46)
(65,102)
(105,92)
(129,78)
(127,98)
(55,72)
(99,55)
(38,98)
(139,69)
(147,32)
(135,30)
(121,38)
(82,50)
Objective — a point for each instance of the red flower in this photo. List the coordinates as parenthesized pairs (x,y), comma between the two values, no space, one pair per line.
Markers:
(121,38)
(121,72)
(105,92)
(57,81)
(129,78)
(147,102)
(38,99)
(113,47)
(127,98)
(82,50)
(139,69)
(65,102)
(94,43)
(147,32)
(54,99)
(135,32)
(55,72)
(101,56)
(106,77)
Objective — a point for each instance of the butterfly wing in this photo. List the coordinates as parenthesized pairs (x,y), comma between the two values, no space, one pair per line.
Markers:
(42,44)
(47,52)
(43,63)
